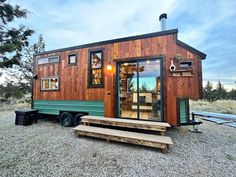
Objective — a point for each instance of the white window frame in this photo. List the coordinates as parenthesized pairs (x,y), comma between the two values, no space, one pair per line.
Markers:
(49,83)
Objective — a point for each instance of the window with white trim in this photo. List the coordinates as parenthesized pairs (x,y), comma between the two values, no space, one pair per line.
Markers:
(51,83)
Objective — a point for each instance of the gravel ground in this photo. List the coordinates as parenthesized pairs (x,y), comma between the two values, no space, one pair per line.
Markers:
(47,149)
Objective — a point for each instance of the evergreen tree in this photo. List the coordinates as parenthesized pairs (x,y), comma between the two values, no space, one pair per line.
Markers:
(232,94)
(26,65)
(130,85)
(12,40)
(220,91)
(22,74)
(208,93)
(40,45)
(211,94)
(11,90)
(144,88)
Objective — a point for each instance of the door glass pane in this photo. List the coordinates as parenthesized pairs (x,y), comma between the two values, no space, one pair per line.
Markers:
(149,90)
(128,90)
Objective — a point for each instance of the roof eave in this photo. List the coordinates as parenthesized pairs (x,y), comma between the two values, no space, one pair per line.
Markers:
(191,49)
(155,34)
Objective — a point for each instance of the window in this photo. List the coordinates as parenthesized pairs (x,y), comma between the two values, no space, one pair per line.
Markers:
(42,60)
(72,59)
(51,83)
(45,60)
(185,64)
(54,59)
(95,69)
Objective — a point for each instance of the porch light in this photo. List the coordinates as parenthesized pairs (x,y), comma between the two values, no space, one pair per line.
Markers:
(109,67)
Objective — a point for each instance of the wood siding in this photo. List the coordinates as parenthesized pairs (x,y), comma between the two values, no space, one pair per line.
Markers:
(73,79)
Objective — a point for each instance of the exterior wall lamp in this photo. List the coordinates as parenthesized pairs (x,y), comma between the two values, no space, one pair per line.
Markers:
(109,67)
(35,76)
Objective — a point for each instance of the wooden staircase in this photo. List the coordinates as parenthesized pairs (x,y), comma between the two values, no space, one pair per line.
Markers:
(157,141)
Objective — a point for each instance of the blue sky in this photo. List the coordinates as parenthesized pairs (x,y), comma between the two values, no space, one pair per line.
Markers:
(209,26)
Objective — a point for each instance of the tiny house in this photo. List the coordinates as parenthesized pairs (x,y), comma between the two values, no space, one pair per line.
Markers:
(145,77)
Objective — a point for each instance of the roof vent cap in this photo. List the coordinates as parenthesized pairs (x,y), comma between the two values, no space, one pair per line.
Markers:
(162,19)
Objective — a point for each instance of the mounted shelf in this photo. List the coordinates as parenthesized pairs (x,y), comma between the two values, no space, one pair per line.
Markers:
(182,72)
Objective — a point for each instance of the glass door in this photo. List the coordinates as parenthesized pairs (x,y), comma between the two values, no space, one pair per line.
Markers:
(127,90)
(139,90)
(149,82)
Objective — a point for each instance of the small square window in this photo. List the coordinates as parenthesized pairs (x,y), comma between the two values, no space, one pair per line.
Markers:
(72,59)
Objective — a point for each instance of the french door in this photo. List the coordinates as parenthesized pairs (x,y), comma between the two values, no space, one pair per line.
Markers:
(140,90)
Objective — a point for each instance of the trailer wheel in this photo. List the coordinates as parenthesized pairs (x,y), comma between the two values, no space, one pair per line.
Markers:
(77,119)
(66,119)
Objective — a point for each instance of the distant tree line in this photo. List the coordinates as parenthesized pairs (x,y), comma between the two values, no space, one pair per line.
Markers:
(11,90)
(219,93)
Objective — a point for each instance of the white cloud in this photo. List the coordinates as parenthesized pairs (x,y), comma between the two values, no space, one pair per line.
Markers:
(78,22)
(202,24)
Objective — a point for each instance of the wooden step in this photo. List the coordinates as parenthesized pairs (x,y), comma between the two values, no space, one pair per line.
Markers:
(128,123)
(156,141)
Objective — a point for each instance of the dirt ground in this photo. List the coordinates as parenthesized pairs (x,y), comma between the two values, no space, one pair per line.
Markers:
(47,149)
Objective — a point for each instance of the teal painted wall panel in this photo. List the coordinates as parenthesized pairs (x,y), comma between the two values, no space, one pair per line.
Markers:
(182,111)
(53,107)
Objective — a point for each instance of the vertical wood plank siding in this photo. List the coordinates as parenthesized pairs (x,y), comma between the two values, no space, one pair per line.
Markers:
(73,79)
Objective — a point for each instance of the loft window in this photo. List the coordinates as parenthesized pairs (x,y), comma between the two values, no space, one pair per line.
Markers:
(42,61)
(45,60)
(51,83)
(185,64)
(72,59)
(95,69)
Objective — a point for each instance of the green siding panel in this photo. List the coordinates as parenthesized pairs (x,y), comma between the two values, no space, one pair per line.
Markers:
(183,111)
(53,107)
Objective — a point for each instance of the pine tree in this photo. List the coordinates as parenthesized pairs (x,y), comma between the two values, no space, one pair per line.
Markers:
(12,39)
(220,91)
(26,64)
(208,92)
(232,94)
(22,74)
(40,45)
(144,88)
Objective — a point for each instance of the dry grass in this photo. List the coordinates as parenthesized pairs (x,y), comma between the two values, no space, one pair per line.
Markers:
(219,106)
(4,107)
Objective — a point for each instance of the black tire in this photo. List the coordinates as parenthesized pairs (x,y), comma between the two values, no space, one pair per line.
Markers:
(66,119)
(77,119)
